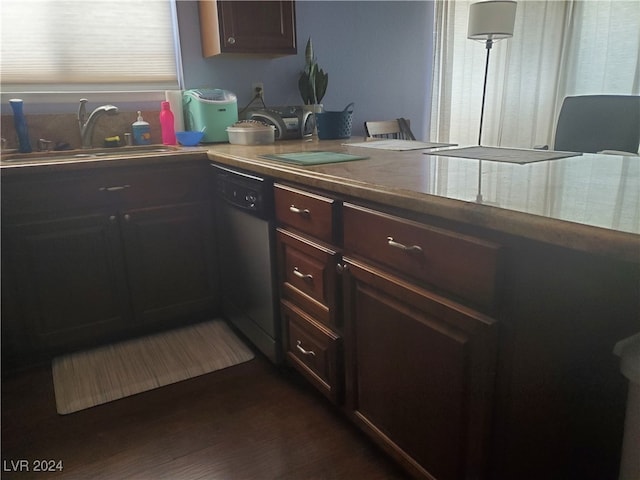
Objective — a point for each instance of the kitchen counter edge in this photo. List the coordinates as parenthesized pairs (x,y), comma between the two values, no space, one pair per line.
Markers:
(594,240)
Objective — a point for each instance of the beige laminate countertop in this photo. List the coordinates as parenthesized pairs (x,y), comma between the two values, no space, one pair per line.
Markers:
(589,202)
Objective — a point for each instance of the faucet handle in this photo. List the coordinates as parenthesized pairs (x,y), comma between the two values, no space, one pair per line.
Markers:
(82,111)
(44,145)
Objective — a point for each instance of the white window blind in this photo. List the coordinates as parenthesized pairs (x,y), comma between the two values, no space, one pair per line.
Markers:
(81,45)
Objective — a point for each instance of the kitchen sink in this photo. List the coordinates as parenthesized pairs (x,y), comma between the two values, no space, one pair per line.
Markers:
(88,153)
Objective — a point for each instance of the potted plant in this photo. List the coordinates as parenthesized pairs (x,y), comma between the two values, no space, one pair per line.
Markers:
(313,80)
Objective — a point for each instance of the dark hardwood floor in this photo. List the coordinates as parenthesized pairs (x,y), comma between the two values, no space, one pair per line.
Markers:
(250,421)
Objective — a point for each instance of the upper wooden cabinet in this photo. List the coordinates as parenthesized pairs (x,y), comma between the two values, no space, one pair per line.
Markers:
(255,27)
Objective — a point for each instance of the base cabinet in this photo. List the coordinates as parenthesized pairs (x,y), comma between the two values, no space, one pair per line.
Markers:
(68,279)
(169,258)
(419,373)
(89,257)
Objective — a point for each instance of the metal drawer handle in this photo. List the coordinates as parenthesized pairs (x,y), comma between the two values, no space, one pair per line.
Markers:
(299,211)
(412,248)
(114,188)
(303,276)
(303,351)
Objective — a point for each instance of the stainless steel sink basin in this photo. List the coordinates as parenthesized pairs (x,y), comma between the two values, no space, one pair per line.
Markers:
(88,153)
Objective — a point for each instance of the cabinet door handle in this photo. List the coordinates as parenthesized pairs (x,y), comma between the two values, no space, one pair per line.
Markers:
(114,188)
(342,268)
(231,41)
(112,219)
(303,351)
(410,248)
(127,217)
(305,212)
(304,276)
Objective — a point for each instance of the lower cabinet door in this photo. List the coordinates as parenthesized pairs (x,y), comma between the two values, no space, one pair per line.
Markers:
(168,252)
(419,373)
(314,350)
(68,276)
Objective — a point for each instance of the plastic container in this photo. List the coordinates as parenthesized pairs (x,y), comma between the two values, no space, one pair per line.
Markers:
(167,124)
(251,132)
(21,125)
(141,131)
(211,110)
(174,97)
(189,139)
(629,352)
(333,125)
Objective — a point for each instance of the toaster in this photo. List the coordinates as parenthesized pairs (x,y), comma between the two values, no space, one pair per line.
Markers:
(289,122)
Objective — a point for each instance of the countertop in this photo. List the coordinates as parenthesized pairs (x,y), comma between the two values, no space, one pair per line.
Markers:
(588,202)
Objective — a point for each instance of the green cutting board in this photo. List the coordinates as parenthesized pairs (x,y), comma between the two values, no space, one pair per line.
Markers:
(313,158)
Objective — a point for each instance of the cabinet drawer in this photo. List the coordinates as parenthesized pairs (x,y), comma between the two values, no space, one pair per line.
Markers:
(464,266)
(102,188)
(307,212)
(313,350)
(308,276)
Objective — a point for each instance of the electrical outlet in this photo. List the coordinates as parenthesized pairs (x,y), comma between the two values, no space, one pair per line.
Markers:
(258,89)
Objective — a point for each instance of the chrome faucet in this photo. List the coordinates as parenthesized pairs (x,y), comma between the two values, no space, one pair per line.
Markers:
(86,127)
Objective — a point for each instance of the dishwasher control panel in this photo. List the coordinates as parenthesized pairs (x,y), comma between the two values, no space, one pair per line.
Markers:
(244,190)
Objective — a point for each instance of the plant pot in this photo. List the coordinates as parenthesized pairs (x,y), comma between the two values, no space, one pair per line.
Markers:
(312,124)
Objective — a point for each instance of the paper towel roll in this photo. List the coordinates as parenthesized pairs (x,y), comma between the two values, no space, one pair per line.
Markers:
(174,97)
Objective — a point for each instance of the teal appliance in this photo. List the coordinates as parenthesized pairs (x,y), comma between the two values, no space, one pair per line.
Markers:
(210,110)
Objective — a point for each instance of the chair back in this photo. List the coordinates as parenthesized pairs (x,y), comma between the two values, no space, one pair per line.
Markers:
(398,128)
(593,123)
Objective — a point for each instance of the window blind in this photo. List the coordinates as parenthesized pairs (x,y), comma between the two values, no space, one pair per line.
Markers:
(80,45)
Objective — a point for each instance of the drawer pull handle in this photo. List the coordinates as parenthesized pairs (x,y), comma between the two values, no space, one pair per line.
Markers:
(303,276)
(303,351)
(411,248)
(300,211)
(114,188)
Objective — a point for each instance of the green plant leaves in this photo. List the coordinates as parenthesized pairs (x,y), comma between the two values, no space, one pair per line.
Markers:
(313,81)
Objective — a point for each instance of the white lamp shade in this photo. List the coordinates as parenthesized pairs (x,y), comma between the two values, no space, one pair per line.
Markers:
(491,20)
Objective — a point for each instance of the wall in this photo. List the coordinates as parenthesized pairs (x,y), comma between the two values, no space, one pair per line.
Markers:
(378,54)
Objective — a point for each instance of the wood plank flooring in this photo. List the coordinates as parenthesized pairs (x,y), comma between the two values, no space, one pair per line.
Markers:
(250,421)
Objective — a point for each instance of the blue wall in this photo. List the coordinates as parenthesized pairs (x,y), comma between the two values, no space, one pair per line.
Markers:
(377,53)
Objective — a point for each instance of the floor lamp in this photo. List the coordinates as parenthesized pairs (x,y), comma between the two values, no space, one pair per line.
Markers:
(490,21)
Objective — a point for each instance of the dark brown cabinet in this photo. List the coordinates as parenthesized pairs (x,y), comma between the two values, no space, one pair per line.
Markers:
(419,372)
(420,365)
(92,256)
(309,287)
(168,252)
(68,278)
(249,27)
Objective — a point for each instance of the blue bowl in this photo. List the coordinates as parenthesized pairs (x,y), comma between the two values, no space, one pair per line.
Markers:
(189,139)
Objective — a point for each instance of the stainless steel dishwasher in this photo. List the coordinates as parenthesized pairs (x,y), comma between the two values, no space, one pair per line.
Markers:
(246,239)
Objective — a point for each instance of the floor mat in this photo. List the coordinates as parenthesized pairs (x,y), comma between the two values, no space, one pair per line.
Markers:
(89,378)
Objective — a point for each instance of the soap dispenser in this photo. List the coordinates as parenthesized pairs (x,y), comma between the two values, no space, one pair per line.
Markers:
(141,131)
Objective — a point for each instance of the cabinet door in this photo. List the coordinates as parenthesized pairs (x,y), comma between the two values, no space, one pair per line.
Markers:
(419,373)
(262,27)
(69,279)
(168,252)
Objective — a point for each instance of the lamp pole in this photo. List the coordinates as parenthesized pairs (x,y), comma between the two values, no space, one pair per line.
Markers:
(484,89)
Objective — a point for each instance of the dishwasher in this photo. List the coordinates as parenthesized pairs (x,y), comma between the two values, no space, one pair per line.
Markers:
(246,247)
